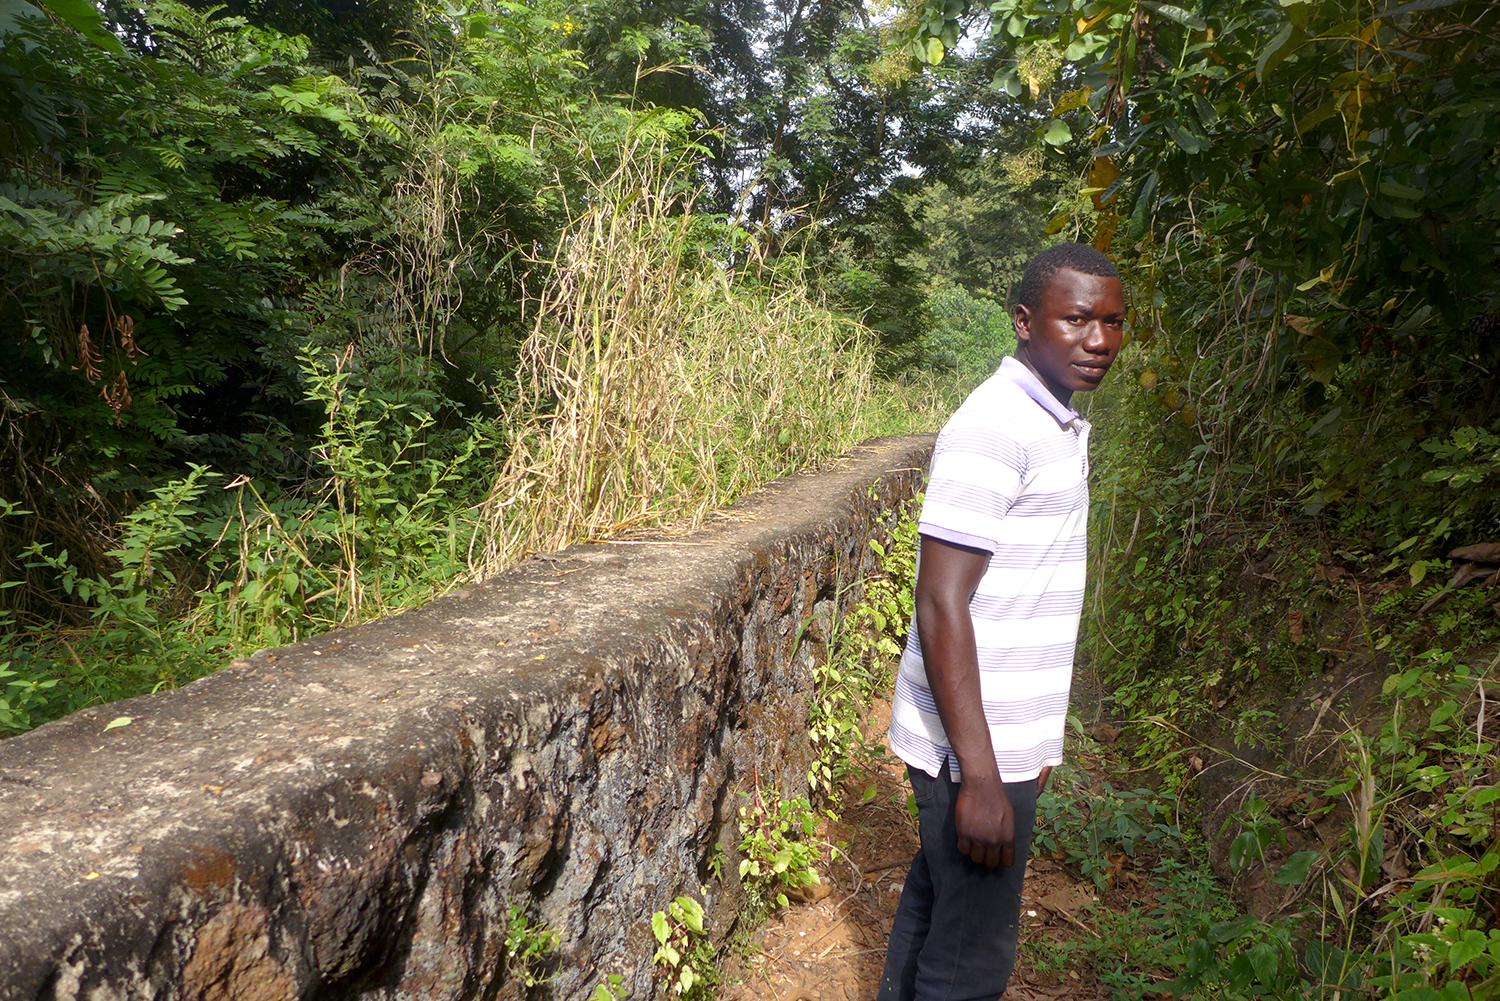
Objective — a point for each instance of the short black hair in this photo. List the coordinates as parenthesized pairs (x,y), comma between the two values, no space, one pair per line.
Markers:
(1078,257)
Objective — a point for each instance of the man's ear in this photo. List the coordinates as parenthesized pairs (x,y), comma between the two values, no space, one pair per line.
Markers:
(1021,321)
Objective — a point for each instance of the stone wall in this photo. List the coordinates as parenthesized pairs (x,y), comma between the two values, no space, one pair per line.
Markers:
(354,815)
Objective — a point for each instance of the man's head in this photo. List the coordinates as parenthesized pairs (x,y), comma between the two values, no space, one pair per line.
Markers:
(1069,318)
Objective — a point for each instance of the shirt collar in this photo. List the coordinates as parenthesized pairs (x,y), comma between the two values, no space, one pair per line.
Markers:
(1024,377)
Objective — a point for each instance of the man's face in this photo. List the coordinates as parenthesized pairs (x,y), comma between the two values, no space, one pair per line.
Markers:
(1072,336)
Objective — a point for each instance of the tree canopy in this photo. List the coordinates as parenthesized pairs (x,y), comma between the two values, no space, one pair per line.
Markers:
(1305,195)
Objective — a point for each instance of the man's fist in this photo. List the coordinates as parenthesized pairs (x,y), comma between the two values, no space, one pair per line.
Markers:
(986,822)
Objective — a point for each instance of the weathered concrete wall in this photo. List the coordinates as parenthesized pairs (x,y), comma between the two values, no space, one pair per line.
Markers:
(353,815)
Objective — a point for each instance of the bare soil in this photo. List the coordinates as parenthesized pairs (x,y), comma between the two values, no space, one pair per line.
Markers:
(833,949)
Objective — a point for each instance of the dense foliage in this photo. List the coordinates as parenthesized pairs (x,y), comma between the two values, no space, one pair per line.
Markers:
(1306,195)
(1303,196)
(184,226)
(296,323)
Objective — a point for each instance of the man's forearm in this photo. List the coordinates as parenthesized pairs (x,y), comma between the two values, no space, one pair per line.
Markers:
(948,652)
(946,583)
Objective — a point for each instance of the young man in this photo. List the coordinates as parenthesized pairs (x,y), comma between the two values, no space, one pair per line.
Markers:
(982,690)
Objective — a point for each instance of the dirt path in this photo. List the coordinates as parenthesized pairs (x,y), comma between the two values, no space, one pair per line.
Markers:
(834,949)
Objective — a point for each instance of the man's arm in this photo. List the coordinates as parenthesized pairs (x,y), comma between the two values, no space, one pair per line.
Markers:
(946,582)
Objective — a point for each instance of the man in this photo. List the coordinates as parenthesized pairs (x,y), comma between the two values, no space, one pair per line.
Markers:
(982,690)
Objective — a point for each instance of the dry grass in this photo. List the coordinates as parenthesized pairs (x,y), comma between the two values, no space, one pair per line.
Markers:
(657,385)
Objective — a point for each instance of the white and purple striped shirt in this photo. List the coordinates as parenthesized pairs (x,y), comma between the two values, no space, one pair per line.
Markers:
(1009,475)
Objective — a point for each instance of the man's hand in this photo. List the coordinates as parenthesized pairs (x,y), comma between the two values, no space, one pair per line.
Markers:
(986,822)
(1041,780)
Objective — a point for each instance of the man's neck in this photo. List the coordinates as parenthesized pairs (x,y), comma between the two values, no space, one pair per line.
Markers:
(1063,396)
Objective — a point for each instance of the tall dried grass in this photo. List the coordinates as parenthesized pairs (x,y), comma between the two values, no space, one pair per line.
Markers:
(656,384)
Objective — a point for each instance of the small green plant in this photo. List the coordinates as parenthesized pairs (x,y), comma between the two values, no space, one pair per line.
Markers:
(866,644)
(20,694)
(684,951)
(715,862)
(778,842)
(1192,942)
(1254,726)
(1240,956)
(140,640)
(1258,831)
(527,946)
(1083,825)
(20,697)
(1420,796)
(611,988)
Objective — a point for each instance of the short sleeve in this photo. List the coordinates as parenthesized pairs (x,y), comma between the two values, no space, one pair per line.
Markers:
(975,478)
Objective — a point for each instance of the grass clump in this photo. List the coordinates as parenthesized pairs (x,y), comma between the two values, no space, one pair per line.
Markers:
(659,383)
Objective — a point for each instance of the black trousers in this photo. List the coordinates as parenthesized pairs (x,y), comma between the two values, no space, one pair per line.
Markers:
(958,922)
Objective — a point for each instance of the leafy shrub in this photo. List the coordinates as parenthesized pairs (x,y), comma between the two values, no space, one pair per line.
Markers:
(527,946)
(967,334)
(777,841)
(684,951)
(1083,826)
(862,653)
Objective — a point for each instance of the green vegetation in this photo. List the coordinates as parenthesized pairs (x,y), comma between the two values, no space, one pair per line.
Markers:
(1085,825)
(1303,199)
(611,988)
(864,649)
(1097,830)
(684,951)
(779,848)
(1304,196)
(1394,901)
(527,945)
(301,340)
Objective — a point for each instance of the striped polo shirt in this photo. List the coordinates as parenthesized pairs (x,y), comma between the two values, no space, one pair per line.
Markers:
(1009,475)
